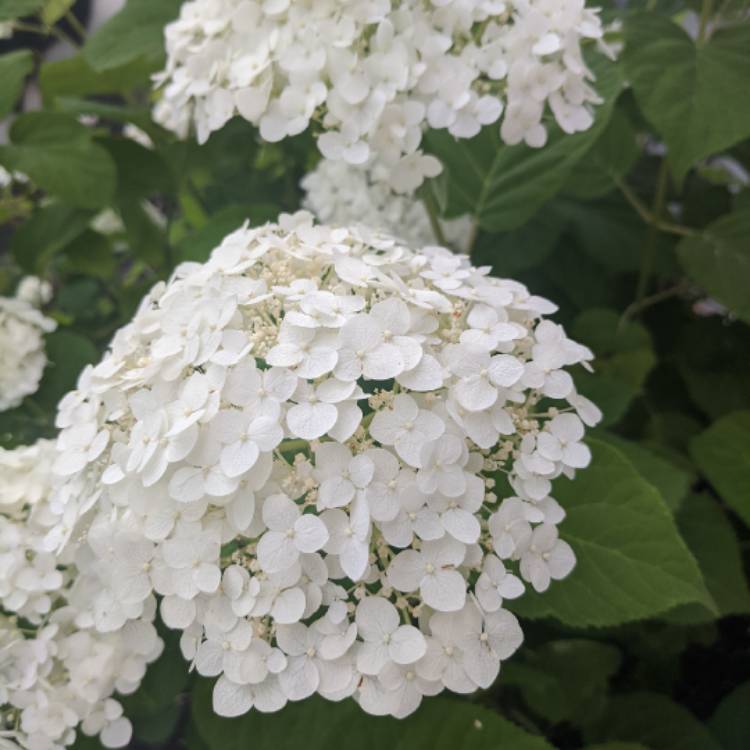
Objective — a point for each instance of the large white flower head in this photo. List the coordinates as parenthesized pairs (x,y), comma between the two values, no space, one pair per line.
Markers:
(372,74)
(338,193)
(296,445)
(22,329)
(57,671)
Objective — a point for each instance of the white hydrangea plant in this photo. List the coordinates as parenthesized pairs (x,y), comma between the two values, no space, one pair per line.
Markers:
(22,329)
(373,74)
(57,671)
(297,447)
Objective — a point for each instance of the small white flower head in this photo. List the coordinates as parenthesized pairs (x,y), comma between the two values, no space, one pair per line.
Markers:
(58,671)
(295,446)
(375,75)
(22,329)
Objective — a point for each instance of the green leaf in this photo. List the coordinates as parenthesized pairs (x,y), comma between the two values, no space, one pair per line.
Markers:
(504,186)
(42,128)
(68,353)
(711,358)
(731,720)
(84,742)
(54,10)
(75,105)
(80,300)
(672,431)
(14,67)
(632,562)
(564,680)
(50,228)
(57,153)
(146,239)
(711,538)
(155,708)
(610,233)
(11,9)
(624,358)
(722,453)
(316,724)
(612,396)
(610,159)
(683,87)
(672,482)
(90,254)
(655,721)
(137,31)
(75,77)
(521,249)
(719,260)
(616,746)
(624,351)
(22,426)
(141,172)
(198,245)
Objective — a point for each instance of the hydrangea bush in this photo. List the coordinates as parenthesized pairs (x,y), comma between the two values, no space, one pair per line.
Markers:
(271,477)
(296,446)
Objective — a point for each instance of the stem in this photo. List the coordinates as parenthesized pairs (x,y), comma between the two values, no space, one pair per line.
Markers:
(524,721)
(76,25)
(472,237)
(437,230)
(32,28)
(707,10)
(637,307)
(648,217)
(649,249)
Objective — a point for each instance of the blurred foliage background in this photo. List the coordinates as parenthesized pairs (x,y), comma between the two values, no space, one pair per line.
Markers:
(639,229)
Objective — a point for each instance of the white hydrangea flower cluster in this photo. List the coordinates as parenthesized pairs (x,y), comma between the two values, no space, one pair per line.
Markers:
(297,444)
(22,329)
(337,193)
(56,670)
(373,74)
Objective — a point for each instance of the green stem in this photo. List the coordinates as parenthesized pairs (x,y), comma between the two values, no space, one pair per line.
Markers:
(632,310)
(707,10)
(648,217)
(45,31)
(76,25)
(472,236)
(649,249)
(437,230)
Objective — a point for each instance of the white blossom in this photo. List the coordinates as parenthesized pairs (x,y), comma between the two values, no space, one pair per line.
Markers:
(58,671)
(294,445)
(22,329)
(376,74)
